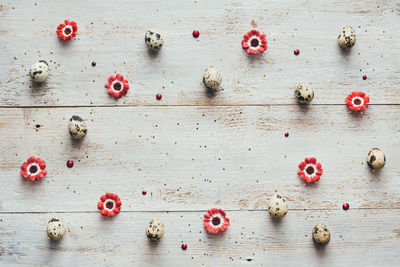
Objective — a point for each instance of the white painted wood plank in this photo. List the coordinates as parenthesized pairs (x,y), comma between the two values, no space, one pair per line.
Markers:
(358,238)
(193,158)
(189,158)
(112,35)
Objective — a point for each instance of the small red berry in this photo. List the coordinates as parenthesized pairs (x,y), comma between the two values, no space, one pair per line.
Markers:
(196,33)
(346,206)
(296,52)
(364,77)
(93,63)
(184,246)
(144,192)
(286,134)
(158,96)
(70,163)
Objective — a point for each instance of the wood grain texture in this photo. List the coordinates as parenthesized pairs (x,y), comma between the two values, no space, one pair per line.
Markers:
(358,238)
(189,158)
(116,43)
(193,150)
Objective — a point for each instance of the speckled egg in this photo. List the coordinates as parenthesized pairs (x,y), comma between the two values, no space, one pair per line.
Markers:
(376,159)
(39,71)
(346,37)
(55,229)
(153,40)
(155,229)
(77,127)
(321,234)
(212,78)
(304,93)
(277,206)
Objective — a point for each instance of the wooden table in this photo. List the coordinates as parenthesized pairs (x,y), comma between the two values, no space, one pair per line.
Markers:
(192,151)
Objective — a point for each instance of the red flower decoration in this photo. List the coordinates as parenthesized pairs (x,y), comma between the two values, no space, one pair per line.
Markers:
(67,30)
(117,86)
(310,170)
(215,221)
(109,204)
(357,101)
(254,42)
(33,169)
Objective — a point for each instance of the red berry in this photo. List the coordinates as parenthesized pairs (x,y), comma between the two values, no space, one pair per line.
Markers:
(346,206)
(286,134)
(70,163)
(93,63)
(184,246)
(364,77)
(144,192)
(158,96)
(196,33)
(296,52)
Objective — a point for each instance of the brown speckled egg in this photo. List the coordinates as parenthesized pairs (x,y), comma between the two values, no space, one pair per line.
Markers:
(155,229)
(346,37)
(304,93)
(39,71)
(277,206)
(321,234)
(77,127)
(212,78)
(376,159)
(55,229)
(153,40)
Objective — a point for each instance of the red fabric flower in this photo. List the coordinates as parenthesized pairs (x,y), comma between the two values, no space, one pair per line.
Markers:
(215,221)
(117,86)
(357,101)
(109,204)
(67,30)
(310,170)
(34,168)
(254,42)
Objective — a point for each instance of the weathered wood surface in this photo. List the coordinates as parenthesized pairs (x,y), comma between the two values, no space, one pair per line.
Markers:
(358,238)
(192,151)
(189,158)
(112,35)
